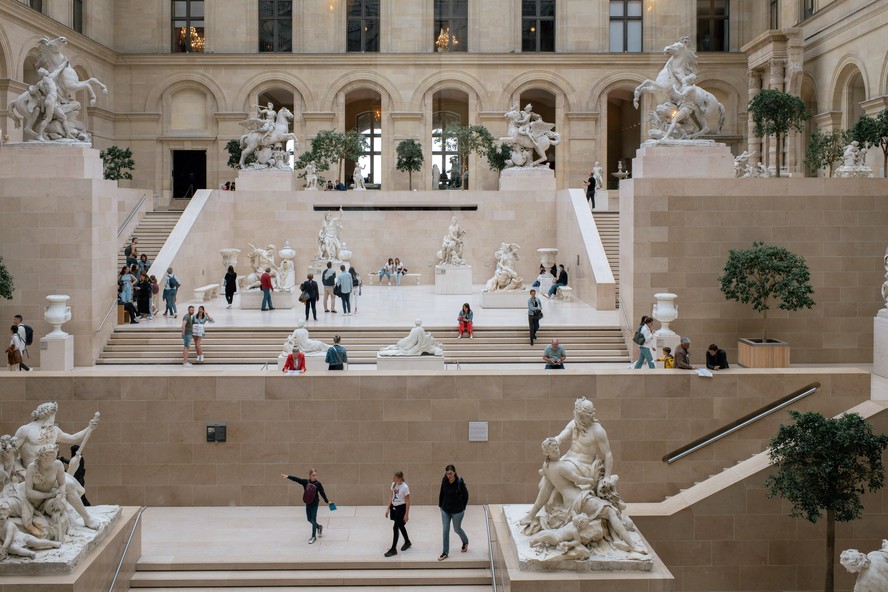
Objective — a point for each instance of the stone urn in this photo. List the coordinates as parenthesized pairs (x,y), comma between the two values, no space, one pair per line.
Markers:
(56,314)
(345,255)
(665,311)
(287,254)
(547,256)
(229,257)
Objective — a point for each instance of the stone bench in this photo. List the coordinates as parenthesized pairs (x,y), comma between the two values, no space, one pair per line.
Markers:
(207,292)
(564,293)
(374,278)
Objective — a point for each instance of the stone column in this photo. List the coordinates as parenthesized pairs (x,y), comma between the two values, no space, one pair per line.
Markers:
(754,79)
(776,81)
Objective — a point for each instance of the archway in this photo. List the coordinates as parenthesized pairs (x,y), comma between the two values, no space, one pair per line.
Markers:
(623,132)
(449,107)
(363,112)
(544,105)
(854,94)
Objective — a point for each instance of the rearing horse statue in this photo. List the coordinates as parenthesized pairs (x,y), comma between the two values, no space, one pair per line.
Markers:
(51,57)
(257,139)
(681,63)
(526,136)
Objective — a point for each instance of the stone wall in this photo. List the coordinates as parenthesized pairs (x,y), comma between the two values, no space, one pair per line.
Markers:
(358,428)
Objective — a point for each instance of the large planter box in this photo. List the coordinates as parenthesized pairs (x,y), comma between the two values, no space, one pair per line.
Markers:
(753,353)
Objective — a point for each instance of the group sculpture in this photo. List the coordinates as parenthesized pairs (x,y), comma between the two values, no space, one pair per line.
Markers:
(528,133)
(39,499)
(854,162)
(267,137)
(47,111)
(578,514)
(451,252)
(743,168)
(260,260)
(418,342)
(505,277)
(686,111)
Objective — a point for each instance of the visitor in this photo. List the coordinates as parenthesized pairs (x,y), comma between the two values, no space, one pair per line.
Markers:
(199,330)
(311,288)
(155,295)
(554,356)
(560,282)
(356,283)
(683,356)
(667,359)
(534,314)
(387,271)
(22,331)
(453,499)
(230,285)
(170,289)
(187,335)
(328,279)
(267,289)
(329,185)
(144,264)
(14,351)
(313,491)
(345,281)
(716,359)
(646,348)
(398,270)
(129,309)
(543,275)
(131,252)
(340,186)
(337,356)
(126,281)
(465,321)
(79,472)
(143,297)
(295,363)
(398,510)
(590,189)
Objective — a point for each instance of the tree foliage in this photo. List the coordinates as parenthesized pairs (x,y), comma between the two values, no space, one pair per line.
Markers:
(825,465)
(826,149)
(409,158)
(117,163)
(873,131)
(336,147)
(497,155)
(234,153)
(7,287)
(776,113)
(468,139)
(765,272)
(321,164)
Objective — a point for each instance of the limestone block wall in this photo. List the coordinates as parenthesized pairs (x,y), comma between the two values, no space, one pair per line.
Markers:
(357,429)
(675,235)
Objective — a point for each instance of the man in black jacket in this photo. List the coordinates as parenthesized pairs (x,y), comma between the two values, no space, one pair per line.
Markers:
(716,359)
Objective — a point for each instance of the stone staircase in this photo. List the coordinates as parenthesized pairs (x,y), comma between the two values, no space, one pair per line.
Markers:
(312,576)
(152,233)
(608,224)
(132,345)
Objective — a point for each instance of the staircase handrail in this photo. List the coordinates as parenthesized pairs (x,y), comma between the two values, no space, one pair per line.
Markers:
(126,548)
(489,546)
(624,315)
(107,314)
(131,214)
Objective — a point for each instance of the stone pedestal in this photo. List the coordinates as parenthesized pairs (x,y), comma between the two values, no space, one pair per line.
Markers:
(505,299)
(544,286)
(312,363)
(252,300)
(529,179)
(57,353)
(880,344)
(409,362)
(683,159)
(602,201)
(453,279)
(47,160)
(270,180)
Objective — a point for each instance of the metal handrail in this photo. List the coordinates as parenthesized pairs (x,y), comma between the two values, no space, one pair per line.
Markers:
(131,214)
(623,314)
(126,548)
(107,314)
(489,547)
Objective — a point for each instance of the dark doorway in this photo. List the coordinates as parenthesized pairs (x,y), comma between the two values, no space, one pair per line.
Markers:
(189,172)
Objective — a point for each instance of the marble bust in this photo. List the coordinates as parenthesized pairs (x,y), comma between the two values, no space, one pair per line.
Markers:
(505,277)
(418,342)
(871,568)
(451,252)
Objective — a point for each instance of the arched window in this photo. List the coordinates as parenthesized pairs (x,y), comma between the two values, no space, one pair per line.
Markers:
(368,124)
(443,147)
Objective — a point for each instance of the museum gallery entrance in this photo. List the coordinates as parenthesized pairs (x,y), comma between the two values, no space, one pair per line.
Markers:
(189,172)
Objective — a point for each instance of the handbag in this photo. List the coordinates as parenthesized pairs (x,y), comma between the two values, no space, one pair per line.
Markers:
(337,291)
(304,297)
(538,314)
(13,355)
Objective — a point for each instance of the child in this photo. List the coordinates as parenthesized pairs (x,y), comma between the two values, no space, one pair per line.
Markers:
(667,359)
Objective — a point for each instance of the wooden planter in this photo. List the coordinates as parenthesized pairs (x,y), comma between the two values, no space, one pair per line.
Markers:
(754,353)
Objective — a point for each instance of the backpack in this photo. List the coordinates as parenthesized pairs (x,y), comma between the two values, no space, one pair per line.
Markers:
(639,336)
(154,288)
(174,282)
(311,493)
(29,334)
(128,250)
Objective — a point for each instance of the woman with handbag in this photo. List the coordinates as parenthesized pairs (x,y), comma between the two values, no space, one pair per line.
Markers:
(534,314)
(398,509)
(14,351)
(644,337)
(310,296)
(230,285)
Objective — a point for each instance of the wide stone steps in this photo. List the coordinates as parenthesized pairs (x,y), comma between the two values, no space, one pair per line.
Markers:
(307,577)
(260,345)
(152,233)
(608,224)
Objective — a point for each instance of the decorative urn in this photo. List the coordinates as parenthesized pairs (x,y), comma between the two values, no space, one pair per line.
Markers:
(56,314)
(665,311)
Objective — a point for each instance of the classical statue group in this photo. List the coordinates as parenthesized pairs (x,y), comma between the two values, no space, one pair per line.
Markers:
(267,137)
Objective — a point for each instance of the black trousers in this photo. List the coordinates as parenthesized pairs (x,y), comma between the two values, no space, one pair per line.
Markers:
(229,296)
(534,327)
(397,514)
(314,311)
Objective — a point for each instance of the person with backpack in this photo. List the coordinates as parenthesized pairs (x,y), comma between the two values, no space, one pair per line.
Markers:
(311,496)
(453,499)
(170,287)
(14,351)
(131,252)
(644,338)
(26,336)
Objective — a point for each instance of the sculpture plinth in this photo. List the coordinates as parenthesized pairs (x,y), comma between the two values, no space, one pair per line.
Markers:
(266,180)
(527,179)
(453,279)
(688,159)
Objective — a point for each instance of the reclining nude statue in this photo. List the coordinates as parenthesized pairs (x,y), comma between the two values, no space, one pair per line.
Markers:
(418,342)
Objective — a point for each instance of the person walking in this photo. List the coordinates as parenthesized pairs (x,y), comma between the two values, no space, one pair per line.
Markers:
(170,289)
(398,509)
(465,321)
(337,357)
(14,351)
(313,491)
(328,279)
(230,285)
(187,335)
(310,287)
(590,189)
(345,281)
(453,499)
(155,295)
(22,331)
(199,330)
(356,283)
(267,289)
(646,347)
(534,314)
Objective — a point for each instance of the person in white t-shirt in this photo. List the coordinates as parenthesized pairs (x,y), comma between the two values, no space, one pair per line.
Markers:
(398,509)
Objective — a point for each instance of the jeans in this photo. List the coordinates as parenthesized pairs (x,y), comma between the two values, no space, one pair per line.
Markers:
(554,288)
(397,279)
(266,297)
(311,514)
(314,311)
(644,354)
(457,519)
(169,297)
(554,366)
(386,273)
(346,302)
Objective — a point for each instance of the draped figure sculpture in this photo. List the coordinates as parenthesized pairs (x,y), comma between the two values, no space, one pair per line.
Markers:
(418,342)
(505,277)
(329,239)
(451,252)
(300,338)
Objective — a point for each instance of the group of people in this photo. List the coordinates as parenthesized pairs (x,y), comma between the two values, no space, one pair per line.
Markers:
(716,358)
(193,328)
(393,268)
(336,358)
(557,273)
(453,498)
(18,345)
(342,285)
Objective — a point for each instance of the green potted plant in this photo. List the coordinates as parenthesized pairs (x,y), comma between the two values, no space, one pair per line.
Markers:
(825,465)
(409,158)
(826,149)
(873,131)
(776,113)
(117,163)
(7,287)
(759,276)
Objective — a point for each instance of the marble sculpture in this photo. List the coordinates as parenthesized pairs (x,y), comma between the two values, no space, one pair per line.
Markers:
(885,283)
(686,111)
(528,133)
(260,260)
(451,252)
(598,175)
(311,176)
(578,514)
(505,277)
(48,111)
(358,177)
(418,342)
(871,568)
(300,338)
(330,242)
(854,162)
(267,137)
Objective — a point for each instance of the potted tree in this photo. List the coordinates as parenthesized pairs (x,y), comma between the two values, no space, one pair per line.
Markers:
(826,149)
(6,285)
(758,276)
(873,131)
(776,113)
(825,465)
(409,159)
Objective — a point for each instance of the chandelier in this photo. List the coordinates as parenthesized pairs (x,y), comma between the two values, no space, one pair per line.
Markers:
(445,41)
(194,40)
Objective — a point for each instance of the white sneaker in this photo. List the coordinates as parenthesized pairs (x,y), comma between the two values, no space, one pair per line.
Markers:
(471,337)
(459,336)
(200,358)
(311,540)
(188,364)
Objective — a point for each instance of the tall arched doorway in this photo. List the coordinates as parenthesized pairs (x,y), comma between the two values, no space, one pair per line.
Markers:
(363,112)
(449,107)
(623,133)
